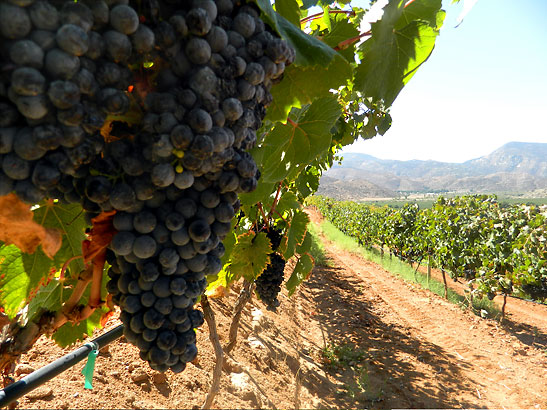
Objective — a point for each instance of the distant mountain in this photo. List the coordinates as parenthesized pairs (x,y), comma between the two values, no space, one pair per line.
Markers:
(516,167)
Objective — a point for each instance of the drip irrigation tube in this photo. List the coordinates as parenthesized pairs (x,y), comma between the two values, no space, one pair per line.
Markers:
(48,372)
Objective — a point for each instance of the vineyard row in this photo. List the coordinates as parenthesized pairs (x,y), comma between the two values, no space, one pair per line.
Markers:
(497,250)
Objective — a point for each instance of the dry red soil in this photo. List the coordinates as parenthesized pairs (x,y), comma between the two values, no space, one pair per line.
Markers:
(411,349)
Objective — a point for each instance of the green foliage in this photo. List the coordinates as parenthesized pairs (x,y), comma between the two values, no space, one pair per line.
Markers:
(249,256)
(335,92)
(495,250)
(23,275)
(400,43)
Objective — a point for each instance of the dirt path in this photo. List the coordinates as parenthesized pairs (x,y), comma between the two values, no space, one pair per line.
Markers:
(402,347)
(439,355)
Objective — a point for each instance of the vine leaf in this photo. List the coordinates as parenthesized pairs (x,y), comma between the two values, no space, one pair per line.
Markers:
(289,10)
(250,256)
(300,273)
(18,227)
(400,43)
(48,298)
(288,147)
(13,281)
(295,234)
(22,275)
(301,85)
(70,222)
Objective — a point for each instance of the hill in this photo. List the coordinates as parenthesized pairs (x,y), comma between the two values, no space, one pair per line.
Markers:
(516,167)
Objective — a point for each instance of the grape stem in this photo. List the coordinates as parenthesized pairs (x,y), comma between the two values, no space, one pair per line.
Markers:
(219,353)
(346,43)
(261,209)
(276,199)
(350,13)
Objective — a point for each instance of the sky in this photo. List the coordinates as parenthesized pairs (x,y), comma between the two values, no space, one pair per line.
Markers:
(484,85)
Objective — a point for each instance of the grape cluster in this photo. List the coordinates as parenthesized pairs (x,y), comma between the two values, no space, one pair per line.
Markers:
(197,75)
(268,284)
(63,71)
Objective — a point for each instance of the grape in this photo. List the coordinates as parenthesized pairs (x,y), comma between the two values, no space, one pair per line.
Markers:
(59,64)
(14,21)
(178,23)
(122,196)
(122,243)
(198,50)
(254,73)
(184,180)
(166,340)
(78,14)
(157,355)
(163,175)
(153,319)
(148,299)
(44,16)
(117,45)
(144,247)
(27,53)
(96,45)
(124,19)
(268,284)
(45,176)
(143,39)
(32,107)
(162,287)
(163,305)
(27,81)
(198,21)
(144,222)
(138,323)
(131,304)
(44,39)
(63,94)
(168,257)
(72,39)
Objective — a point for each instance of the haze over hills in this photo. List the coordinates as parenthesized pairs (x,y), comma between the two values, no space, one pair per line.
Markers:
(516,167)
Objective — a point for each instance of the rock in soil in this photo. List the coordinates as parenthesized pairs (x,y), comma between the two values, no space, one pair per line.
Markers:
(40,393)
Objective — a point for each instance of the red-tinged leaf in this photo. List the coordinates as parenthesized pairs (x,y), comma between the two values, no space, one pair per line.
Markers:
(100,236)
(17,227)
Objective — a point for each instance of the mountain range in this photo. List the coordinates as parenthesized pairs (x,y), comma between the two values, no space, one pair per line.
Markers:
(516,167)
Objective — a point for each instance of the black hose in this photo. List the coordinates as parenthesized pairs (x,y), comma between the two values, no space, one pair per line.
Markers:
(48,372)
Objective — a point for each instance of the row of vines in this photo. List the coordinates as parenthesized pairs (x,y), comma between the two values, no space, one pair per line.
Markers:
(497,250)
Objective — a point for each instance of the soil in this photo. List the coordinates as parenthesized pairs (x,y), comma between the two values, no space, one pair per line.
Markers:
(398,345)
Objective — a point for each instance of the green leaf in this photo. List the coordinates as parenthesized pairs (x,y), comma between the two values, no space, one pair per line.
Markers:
(302,85)
(295,234)
(287,202)
(309,50)
(13,280)
(342,30)
(306,244)
(48,298)
(250,256)
(261,194)
(68,219)
(300,273)
(290,10)
(400,43)
(290,146)
(69,333)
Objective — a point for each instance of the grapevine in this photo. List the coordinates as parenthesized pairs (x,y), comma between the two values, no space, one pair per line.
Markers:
(132,133)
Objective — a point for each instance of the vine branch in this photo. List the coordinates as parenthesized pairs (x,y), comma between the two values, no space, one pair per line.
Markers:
(219,354)
(244,297)
(350,13)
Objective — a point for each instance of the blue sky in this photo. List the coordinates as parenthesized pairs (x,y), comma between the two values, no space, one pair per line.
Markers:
(484,85)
